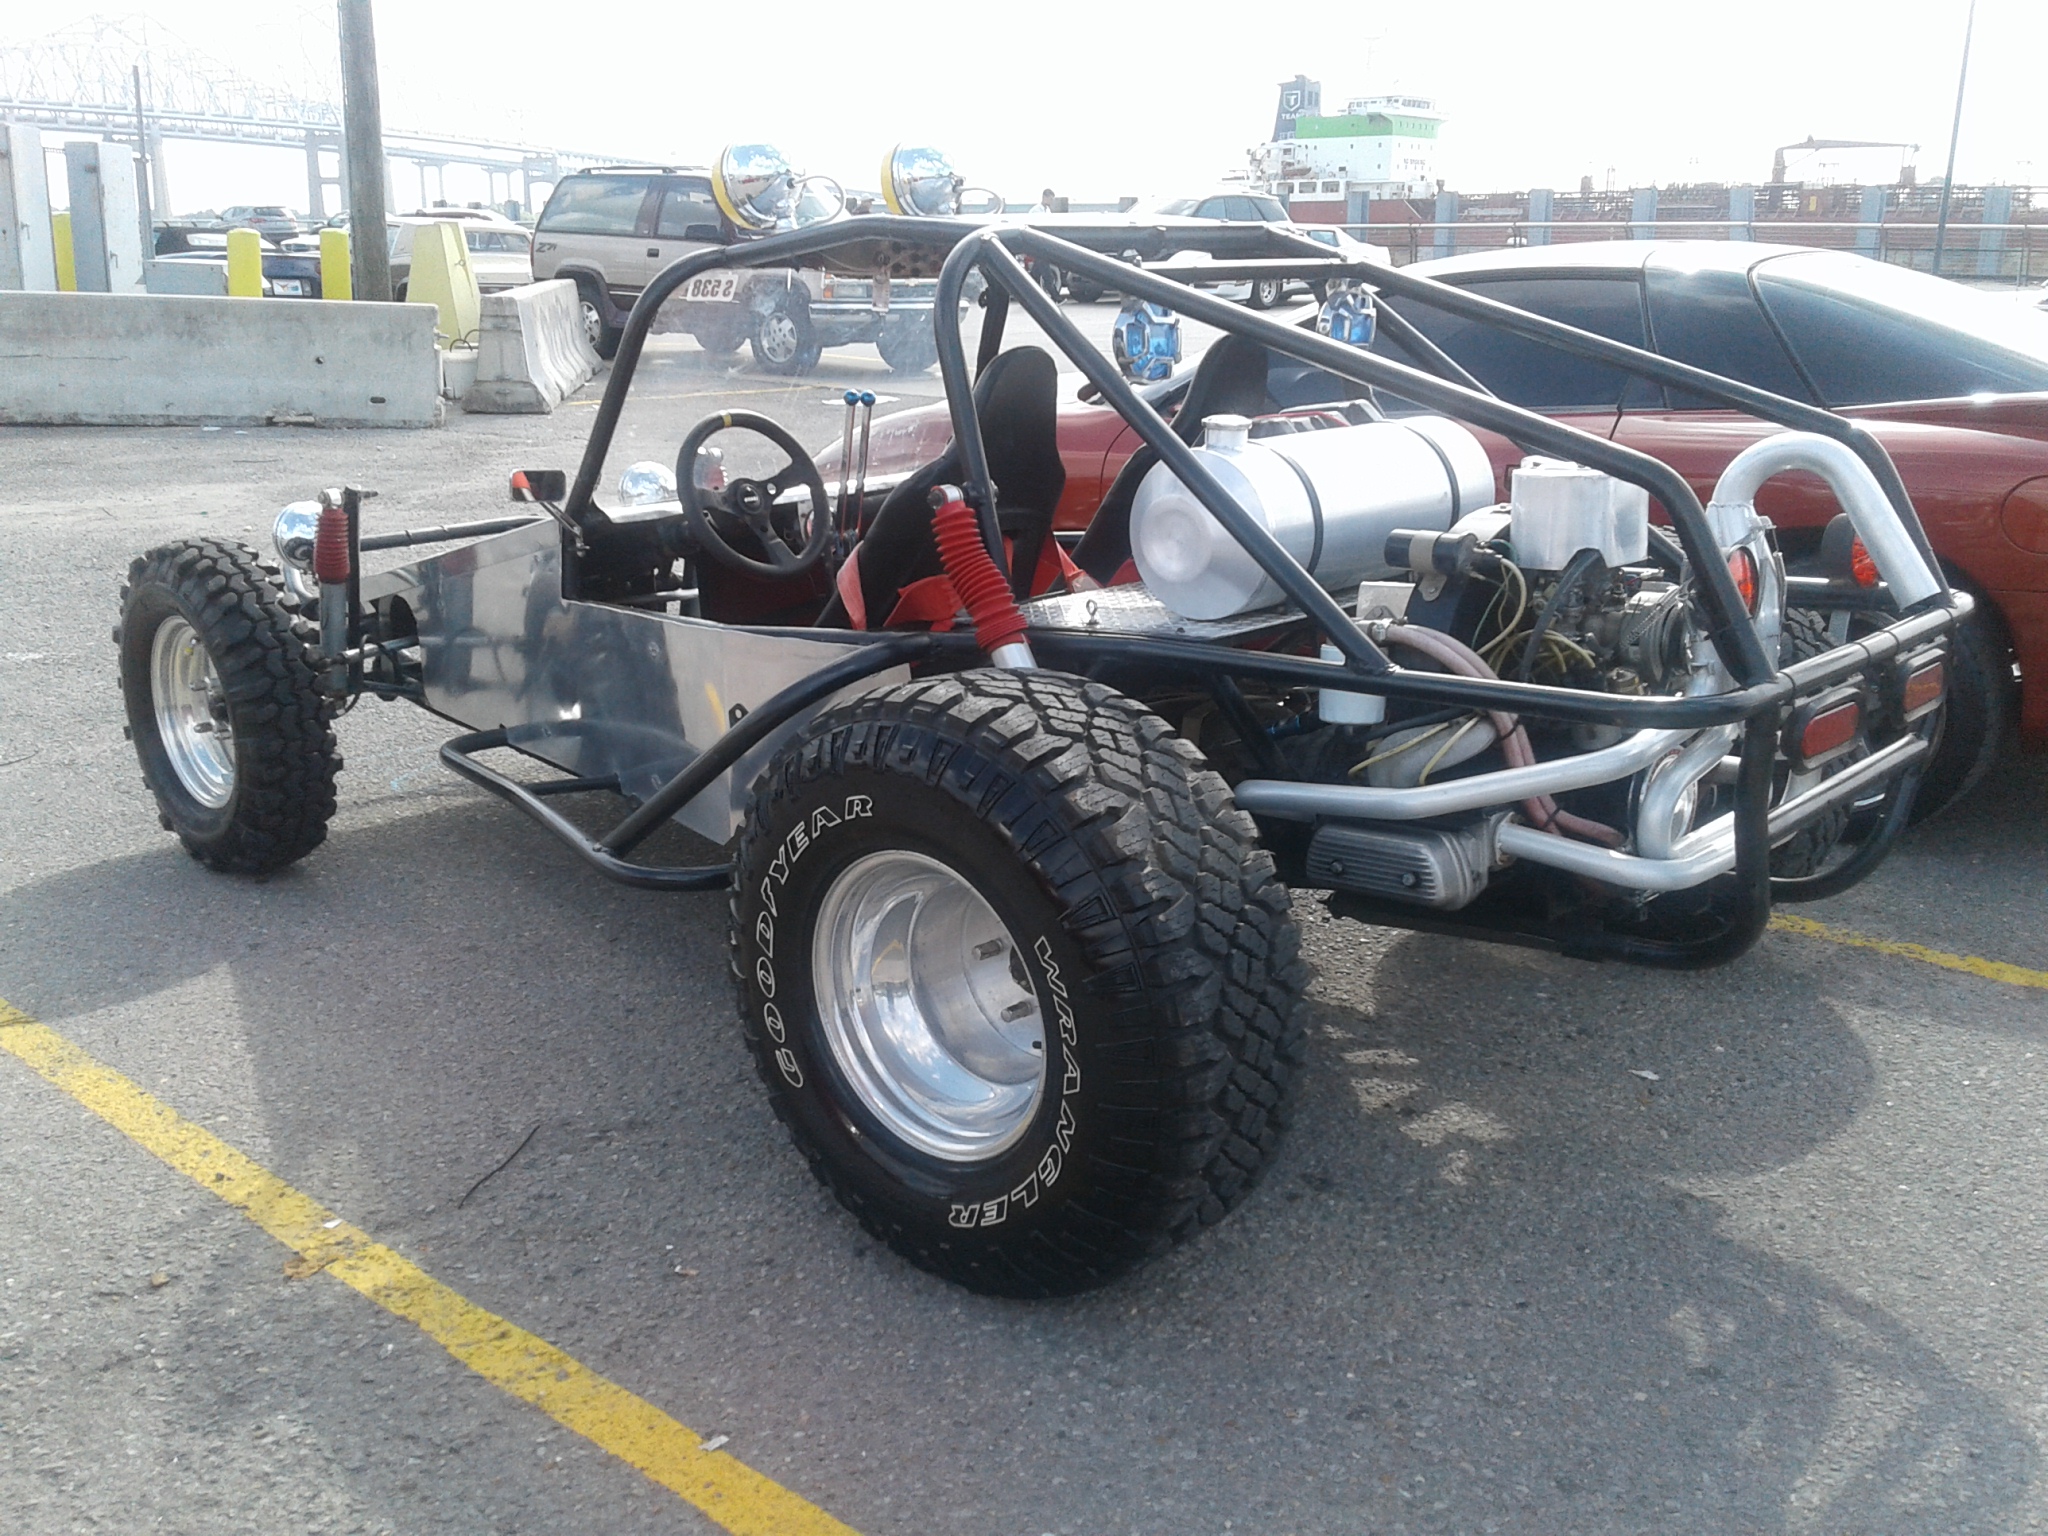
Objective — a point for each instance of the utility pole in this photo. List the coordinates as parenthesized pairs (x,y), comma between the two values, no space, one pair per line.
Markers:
(143,199)
(362,118)
(1948,178)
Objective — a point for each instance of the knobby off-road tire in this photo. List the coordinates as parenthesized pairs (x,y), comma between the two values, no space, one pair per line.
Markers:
(1139,915)
(235,739)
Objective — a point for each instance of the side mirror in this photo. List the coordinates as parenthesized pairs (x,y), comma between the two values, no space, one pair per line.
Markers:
(540,485)
(709,234)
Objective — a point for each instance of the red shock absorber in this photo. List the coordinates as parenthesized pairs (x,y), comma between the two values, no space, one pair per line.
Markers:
(330,545)
(998,625)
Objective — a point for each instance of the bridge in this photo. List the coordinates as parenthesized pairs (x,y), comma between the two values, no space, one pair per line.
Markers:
(132,83)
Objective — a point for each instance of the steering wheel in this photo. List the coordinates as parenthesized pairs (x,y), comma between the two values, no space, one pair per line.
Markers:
(752,502)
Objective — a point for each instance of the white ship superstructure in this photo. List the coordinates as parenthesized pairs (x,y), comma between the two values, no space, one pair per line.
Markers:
(1377,147)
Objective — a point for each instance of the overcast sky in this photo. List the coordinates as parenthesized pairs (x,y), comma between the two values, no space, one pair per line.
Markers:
(1106,97)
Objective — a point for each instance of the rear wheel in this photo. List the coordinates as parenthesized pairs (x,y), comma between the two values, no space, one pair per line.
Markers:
(720,343)
(1265,293)
(597,325)
(1017,975)
(224,708)
(907,345)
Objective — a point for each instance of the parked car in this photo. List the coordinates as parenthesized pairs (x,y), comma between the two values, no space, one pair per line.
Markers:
(287,273)
(265,218)
(1244,205)
(1953,383)
(611,230)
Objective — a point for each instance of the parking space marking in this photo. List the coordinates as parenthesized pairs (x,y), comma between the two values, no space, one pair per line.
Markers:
(728,1491)
(1990,970)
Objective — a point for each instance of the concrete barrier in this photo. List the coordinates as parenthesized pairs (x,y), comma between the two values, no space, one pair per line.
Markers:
(98,359)
(531,351)
(206,278)
(28,260)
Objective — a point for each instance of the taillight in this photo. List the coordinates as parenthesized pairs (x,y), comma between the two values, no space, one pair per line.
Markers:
(1742,566)
(1924,688)
(1830,731)
(1861,566)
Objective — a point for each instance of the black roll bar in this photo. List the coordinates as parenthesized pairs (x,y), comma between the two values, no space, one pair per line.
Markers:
(994,249)
(1728,617)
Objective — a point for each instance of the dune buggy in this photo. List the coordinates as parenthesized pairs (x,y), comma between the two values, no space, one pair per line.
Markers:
(1012,846)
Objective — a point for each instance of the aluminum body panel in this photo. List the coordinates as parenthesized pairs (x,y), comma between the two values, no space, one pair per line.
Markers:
(590,688)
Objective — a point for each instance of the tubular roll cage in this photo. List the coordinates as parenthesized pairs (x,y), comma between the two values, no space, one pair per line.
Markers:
(1758,702)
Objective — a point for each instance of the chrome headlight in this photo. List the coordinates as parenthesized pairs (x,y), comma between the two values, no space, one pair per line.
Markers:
(647,482)
(292,533)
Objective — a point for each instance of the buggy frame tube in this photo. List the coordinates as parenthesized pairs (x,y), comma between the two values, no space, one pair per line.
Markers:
(1729,625)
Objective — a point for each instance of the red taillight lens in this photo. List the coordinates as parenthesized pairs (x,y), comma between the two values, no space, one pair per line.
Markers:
(1830,732)
(1861,566)
(1742,566)
(1924,688)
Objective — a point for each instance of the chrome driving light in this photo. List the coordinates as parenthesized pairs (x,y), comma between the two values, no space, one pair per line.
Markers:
(646,483)
(292,533)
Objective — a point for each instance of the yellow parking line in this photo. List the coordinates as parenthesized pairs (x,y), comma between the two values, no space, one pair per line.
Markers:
(1990,970)
(731,1493)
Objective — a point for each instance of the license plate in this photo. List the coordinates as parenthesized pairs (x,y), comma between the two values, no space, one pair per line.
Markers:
(288,287)
(712,288)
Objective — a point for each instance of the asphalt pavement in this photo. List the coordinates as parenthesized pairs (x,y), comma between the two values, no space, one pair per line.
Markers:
(1554,1247)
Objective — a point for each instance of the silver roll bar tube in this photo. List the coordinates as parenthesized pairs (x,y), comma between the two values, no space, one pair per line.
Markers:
(1287,800)
(1890,544)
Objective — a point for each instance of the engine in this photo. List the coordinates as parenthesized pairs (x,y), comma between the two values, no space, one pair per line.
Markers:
(1559,586)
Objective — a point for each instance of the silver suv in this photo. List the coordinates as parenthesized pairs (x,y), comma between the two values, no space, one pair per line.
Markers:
(611,229)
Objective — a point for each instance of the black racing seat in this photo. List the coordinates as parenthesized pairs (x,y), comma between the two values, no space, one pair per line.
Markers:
(1230,380)
(1016,400)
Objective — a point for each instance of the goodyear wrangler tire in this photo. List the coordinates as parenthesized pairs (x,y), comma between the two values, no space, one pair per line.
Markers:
(1017,975)
(223,707)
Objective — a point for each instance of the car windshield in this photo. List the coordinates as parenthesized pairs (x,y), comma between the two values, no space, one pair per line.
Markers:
(269,213)
(1177,205)
(1866,332)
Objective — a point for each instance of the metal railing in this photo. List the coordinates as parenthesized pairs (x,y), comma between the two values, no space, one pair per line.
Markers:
(1972,252)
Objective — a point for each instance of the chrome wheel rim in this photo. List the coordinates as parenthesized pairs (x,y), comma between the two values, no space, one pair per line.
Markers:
(593,323)
(928,1007)
(778,337)
(191,714)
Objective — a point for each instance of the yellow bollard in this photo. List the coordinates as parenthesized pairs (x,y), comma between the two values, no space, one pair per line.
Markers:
(336,279)
(60,243)
(245,264)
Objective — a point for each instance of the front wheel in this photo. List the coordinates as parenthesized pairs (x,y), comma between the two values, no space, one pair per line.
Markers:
(1018,977)
(1265,293)
(782,338)
(224,708)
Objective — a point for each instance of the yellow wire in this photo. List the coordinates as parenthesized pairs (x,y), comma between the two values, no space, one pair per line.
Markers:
(1430,767)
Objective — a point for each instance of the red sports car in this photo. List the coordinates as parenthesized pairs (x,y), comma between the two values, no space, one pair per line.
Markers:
(1953,383)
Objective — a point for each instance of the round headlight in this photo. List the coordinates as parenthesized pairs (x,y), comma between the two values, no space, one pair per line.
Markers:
(647,482)
(292,533)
